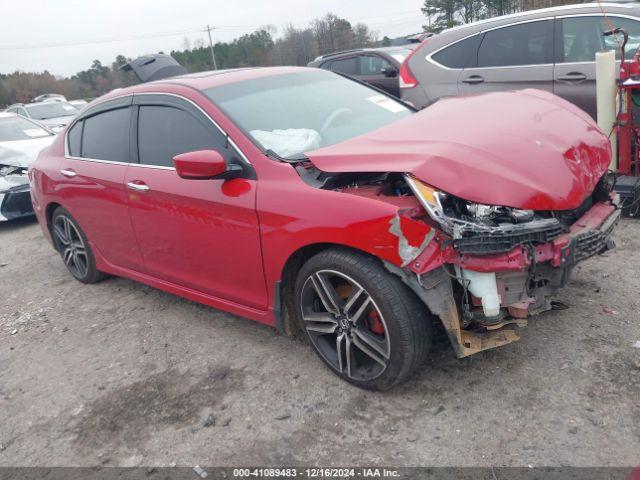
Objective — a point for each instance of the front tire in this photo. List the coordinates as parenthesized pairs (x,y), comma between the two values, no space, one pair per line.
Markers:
(73,246)
(362,321)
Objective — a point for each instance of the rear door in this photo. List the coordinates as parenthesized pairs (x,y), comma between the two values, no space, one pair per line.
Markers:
(199,234)
(92,188)
(578,38)
(512,57)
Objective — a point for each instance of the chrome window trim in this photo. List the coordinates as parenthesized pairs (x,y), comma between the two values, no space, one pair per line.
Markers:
(133,95)
(97,160)
(599,14)
(482,32)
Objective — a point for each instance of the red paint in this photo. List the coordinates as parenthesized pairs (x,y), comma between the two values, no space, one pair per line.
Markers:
(200,165)
(527,149)
(225,242)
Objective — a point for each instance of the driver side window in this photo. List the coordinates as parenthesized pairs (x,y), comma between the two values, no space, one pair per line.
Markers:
(164,132)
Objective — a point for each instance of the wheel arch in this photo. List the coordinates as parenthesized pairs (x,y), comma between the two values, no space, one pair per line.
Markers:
(48,213)
(283,301)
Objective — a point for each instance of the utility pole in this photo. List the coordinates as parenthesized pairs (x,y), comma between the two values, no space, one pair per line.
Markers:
(213,55)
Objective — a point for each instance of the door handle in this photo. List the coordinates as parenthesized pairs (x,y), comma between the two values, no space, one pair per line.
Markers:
(138,187)
(68,173)
(473,80)
(574,77)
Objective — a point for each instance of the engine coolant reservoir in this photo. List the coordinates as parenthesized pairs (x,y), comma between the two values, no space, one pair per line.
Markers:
(482,285)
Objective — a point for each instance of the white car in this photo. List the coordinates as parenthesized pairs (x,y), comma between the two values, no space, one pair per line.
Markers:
(53,115)
(79,104)
(21,140)
(50,97)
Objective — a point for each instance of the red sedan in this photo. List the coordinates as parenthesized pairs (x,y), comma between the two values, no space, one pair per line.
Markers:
(310,202)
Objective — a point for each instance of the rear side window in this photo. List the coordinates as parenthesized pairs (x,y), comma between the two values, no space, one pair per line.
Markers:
(164,132)
(73,139)
(582,37)
(348,66)
(463,54)
(523,44)
(106,135)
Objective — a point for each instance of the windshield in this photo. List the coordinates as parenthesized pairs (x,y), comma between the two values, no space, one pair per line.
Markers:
(45,111)
(18,128)
(297,112)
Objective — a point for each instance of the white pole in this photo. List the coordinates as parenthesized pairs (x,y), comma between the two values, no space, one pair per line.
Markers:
(606,98)
(213,55)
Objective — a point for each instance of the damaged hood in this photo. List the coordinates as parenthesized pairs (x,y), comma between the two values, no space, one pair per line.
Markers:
(22,153)
(526,149)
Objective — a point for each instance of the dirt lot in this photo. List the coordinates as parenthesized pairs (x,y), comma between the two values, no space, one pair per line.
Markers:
(121,374)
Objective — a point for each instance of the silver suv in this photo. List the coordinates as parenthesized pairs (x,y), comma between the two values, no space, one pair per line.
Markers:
(551,49)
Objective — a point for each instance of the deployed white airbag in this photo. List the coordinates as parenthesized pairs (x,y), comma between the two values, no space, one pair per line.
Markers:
(289,142)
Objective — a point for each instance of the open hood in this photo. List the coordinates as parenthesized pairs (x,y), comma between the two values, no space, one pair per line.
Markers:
(154,67)
(526,149)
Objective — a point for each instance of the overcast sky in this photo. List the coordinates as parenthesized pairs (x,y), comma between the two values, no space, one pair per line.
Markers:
(60,36)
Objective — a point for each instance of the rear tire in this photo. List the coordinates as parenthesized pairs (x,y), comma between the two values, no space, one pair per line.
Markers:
(362,321)
(73,246)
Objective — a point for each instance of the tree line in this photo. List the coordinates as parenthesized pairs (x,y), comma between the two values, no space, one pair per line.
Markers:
(266,46)
(443,14)
(294,46)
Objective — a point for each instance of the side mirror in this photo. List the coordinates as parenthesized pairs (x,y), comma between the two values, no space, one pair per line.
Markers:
(204,165)
(389,72)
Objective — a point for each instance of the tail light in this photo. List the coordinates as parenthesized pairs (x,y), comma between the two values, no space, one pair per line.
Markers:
(407,78)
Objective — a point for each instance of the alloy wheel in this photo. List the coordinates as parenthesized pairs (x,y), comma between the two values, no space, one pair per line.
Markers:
(345,325)
(71,246)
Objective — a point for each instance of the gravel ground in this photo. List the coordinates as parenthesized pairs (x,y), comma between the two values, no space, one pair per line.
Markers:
(118,373)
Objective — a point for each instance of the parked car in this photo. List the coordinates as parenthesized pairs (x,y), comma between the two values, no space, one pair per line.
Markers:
(53,115)
(376,66)
(50,97)
(20,142)
(156,66)
(79,104)
(552,49)
(301,199)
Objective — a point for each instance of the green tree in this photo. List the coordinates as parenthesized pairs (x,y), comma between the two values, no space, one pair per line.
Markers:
(441,14)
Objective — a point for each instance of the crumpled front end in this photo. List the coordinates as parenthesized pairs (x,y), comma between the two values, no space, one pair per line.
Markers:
(490,268)
(510,203)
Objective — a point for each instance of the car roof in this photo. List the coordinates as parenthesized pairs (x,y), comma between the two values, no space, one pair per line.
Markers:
(607,7)
(395,48)
(215,78)
(8,114)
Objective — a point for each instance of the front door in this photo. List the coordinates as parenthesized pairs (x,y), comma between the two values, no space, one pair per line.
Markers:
(512,58)
(199,234)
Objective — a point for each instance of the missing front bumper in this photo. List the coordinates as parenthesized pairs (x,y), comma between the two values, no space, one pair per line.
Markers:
(526,279)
